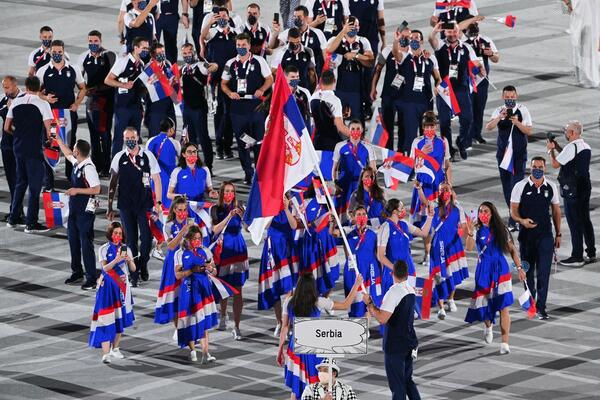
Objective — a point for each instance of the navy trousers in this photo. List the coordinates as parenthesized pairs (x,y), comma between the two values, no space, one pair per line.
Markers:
(538,252)
(30,174)
(252,124)
(99,115)
(478,101)
(577,211)
(167,26)
(196,121)
(399,369)
(134,222)
(80,231)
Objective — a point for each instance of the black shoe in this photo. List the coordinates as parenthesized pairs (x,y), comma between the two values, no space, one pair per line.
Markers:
(36,228)
(89,285)
(463,152)
(220,155)
(572,262)
(248,179)
(134,282)
(513,227)
(145,275)
(591,259)
(480,140)
(228,155)
(74,279)
(543,316)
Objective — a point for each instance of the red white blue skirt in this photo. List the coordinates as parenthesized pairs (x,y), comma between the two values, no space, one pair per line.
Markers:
(113,312)
(300,370)
(233,266)
(493,289)
(447,266)
(276,266)
(165,310)
(197,309)
(319,256)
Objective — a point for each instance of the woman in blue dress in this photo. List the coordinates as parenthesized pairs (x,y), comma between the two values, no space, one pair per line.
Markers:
(191,178)
(175,229)
(300,369)
(231,254)
(278,262)
(350,157)
(196,307)
(113,311)
(369,195)
(493,278)
(393,241)
(448,262)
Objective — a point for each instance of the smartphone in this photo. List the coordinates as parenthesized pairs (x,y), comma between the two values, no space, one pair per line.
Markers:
(509,113)
(352,20)
(123,249)
(215,10)
(276,17)
(448,25)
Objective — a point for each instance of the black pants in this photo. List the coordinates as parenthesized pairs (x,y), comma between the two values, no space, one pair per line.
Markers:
(223,128)
(196,121)
(509,180)
(136,227)
(99,115)
(538,252)
(167,25)
(399,369)
(478,101)
(30,174)
(388,111)
(10,170)
(577,211)
(80,231)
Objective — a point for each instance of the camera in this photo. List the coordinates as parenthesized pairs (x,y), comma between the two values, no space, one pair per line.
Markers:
(550,136)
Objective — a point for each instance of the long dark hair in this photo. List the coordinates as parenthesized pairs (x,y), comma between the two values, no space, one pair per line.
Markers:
(497,227)
(305,296)
(391,206)
(109,231)
(220,202)
(441,208)
(194,229)
(376,192)
(176,201)
(182,163)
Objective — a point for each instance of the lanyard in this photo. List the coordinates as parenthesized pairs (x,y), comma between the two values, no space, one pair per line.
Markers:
(455,51)
(398,227)
(306,37)
(134,162)
(40,58)
(161,147)
(422,66)
(247,64)
(485,246)
(331,4)
(354,152)
(361,238)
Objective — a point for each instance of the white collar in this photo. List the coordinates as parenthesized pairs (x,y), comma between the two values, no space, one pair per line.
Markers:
(544,182)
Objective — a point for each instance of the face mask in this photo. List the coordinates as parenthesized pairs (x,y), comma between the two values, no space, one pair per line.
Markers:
(57,58)
(537,173)
(160,57)
(451,39)
(94,47)
(252,19)
(402,213)
(228,197)
(222,22)
(191,159)
(415,44)
(116,238)
(368,182)
(188,59)
(445,196)
(484,218)
(144,54)
(294,46)
(181,215)
(142,4)
(361,220)
(46,42)
(404,41)
(298,23)
(355,134)
(195,243)
(242,51)
(352,33)
(429,133)
(510,103)
(131,143)
(324,377)
(294,83)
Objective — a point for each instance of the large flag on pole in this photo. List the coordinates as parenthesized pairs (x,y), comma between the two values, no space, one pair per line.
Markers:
(287,157)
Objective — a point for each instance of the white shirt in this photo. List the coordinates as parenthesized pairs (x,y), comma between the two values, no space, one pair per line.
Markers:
(527,121)
(264,67)
(517,192)
(42,105)
(154,167)
(394,296)
(329,97)
(467,46)
(78,76)
(568,152)
(121,64)
(277,57)
(133,14)
(283,37)
(323,304)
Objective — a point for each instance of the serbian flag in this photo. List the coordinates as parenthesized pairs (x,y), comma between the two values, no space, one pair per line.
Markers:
(56,208)
(508,163)
(287,157)
(509,20)
(527,303)
(426,164)
(201,210)
(423,290)
(474,77)
(326,163)
(157,225)
(377,133)
(397,167)
(447,94)
(156,81)
(177,94)
(221,289)
(331,61)
(443,5)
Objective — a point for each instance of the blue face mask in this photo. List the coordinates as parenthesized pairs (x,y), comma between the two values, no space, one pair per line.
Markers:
(142,4)
(537,173)
(144,54)
(94,47)
(46,42)
(415,44)
(57,58)
(131,143)
(510,103)
(160,57)
(222,22)
(352,33)
(298,23)
(188,59)
(242,51)
(294,83)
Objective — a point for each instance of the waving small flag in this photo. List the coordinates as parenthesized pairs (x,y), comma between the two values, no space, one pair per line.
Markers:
(474,77)
(507,162)
(509,20)
(447,94)
(62,125)
(201,211)
(157,224)
(177,87)
(156,81)
(319,192)
(527,303)
(221,289)
(423,291)
(56,208)
(397,167)
(378,135)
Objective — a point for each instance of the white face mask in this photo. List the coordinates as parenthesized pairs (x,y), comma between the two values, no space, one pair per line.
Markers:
(324,378)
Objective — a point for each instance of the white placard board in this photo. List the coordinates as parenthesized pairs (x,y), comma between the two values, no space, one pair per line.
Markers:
(330,336)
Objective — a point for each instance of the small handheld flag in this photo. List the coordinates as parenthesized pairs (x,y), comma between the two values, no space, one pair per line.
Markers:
(378,135)
(56,208)
(507,162)
(509,20)
(156,223)
(156,81)
(527,303)
(447,94)
(423,292)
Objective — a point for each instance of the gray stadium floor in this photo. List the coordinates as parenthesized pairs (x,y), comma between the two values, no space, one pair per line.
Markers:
(44,324)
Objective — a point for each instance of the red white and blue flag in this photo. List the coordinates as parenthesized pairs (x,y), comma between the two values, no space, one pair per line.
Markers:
(201,209)
(378,135)
(509,20)
(287,157)
(56,208)
(423,291)
(156,81)
(426,164)
(447,94)
(508,162)
(326,163)
(527,303)
(474,78)
(63,126)
(157,225)
(221,289)
(397,167)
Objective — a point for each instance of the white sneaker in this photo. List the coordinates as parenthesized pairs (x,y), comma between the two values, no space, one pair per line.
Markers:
(452,306)
(237,335)
(116,353)
(504,349)
(175,337)
(207,358)
(488,335)
(106,358)
(425,259)
(441,314)
(193,356)
(158,254)
(277,331)
(222,325)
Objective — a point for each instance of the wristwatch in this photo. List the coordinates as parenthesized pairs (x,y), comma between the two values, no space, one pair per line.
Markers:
(558,234)
(185,14)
